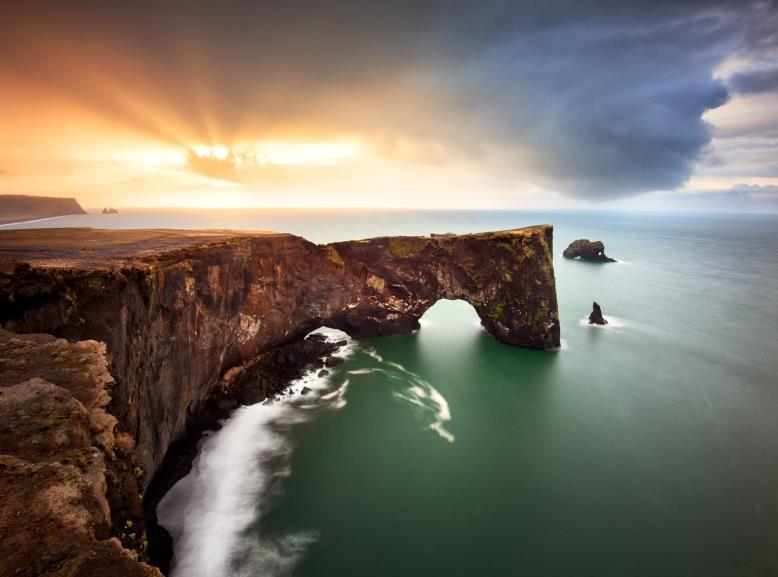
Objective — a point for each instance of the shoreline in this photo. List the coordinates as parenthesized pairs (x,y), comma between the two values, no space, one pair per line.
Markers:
(196,323)
(37,219)
(267,377)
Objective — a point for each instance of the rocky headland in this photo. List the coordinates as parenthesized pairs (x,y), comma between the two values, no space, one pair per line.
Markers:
(176,328)
(21,207)
(592,250)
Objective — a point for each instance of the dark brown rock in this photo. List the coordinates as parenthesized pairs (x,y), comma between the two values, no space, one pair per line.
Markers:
(333,361)
(596,318)
(323,373)
(587,250)
(59,464)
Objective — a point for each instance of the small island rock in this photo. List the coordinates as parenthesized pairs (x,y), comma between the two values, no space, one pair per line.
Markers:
(584,249)
(596,317)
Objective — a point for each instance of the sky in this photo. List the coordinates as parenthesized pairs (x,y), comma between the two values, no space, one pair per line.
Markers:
(645,105)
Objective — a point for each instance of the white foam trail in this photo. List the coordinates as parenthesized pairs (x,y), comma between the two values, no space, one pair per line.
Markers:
(36,220)
(361,371)
(337,398)
(613,322)
(209,511)
(421,393)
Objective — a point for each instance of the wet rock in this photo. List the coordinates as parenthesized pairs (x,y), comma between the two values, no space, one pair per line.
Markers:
(333,361)
(323,373)
(592,250)
(596,317)
(305,391)
(49,563)
(227,404)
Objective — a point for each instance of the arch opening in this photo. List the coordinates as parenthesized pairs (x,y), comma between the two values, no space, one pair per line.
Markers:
(452,314)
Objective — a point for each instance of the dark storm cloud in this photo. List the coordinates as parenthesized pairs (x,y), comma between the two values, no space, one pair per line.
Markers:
(755,82)
(594,99)
(738,198)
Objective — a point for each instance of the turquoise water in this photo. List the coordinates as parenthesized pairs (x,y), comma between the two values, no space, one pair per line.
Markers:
(645,448)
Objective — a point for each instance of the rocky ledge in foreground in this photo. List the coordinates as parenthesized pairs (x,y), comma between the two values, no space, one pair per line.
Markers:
(182,312)
(593,250)
(66,480)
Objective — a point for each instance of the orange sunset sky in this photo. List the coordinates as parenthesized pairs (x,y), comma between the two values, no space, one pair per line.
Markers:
(247,104)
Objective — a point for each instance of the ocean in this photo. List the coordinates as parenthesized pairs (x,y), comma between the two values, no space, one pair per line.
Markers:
(648,447)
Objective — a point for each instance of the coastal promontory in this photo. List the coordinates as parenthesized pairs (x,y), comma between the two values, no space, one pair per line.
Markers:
(23,208)
(180,313)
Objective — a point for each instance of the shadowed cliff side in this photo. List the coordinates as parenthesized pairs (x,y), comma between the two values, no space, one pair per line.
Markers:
(57,456)
(178,309)
(20,207)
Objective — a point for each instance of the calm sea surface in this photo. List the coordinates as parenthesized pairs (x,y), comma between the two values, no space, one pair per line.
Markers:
(645,448)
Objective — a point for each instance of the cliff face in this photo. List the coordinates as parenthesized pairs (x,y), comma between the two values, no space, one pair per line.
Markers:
(21,207)
(56,444)
(176,319)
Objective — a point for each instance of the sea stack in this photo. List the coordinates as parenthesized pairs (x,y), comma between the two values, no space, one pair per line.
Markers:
(593,250)
(596,317)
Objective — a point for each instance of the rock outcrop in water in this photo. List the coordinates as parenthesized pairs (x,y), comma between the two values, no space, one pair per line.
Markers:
(596,318)
(180,310)
(593,250)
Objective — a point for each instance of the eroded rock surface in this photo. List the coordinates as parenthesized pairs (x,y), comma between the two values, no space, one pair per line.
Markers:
(179,309)
(55,440)
(593,250)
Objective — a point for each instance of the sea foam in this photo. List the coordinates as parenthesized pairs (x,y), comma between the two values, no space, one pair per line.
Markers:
(420,394)
(208,512)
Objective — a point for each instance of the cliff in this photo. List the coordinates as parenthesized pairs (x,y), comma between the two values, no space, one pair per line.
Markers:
(57,445)
(20,207)
(177,310)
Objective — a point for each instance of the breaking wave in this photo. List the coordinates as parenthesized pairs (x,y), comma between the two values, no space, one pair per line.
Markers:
(208,513)
(613,322)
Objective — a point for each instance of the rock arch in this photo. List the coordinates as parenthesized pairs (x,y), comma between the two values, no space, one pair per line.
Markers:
(507,277)
(179,309)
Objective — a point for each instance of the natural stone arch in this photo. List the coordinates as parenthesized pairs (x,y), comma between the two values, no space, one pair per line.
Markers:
(179,310)
(506,276)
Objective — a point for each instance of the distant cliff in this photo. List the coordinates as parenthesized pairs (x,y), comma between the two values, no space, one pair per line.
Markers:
(20,207)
